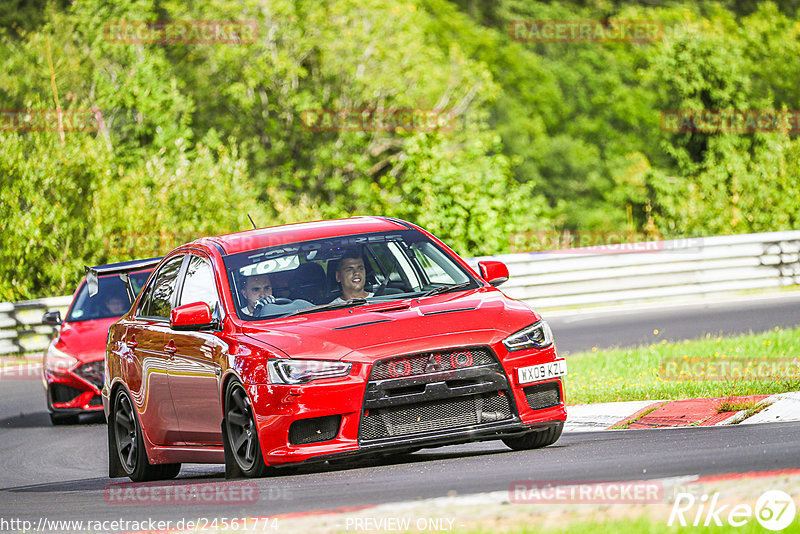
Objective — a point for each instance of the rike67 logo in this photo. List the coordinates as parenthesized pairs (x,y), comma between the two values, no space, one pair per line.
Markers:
(774,510)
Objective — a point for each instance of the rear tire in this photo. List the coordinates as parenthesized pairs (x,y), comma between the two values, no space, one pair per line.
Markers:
(242,449)
(535,439)
(128,444)
(61,419)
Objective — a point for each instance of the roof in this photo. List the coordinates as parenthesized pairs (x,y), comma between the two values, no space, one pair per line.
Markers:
(293,233)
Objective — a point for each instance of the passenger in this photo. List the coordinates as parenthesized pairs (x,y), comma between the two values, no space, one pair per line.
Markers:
(351,275)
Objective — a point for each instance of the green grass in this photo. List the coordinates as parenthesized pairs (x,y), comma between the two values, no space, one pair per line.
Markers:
(626,424)
(736,406)
(764,364)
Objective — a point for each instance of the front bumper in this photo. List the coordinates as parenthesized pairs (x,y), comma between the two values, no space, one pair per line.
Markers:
(70,393)
(364,414)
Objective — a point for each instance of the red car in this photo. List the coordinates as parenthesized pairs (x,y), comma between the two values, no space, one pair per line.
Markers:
(72,371)
(324,340)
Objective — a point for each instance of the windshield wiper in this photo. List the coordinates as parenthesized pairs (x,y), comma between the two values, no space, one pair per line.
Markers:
(444,289)
(331,306)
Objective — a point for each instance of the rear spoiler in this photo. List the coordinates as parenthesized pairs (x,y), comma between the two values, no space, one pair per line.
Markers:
(122,269)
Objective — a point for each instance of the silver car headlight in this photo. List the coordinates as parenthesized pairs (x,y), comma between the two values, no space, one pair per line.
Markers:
(302,371)
(536,336)
(58,361)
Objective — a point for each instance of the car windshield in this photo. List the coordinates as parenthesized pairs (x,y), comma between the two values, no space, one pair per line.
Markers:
(111,299)
(332,273)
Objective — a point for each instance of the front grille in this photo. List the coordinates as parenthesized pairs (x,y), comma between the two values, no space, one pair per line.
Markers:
(543,395)
(432,416)
(61,393)
(431,362)
(92,372)
(314,430)
(96,401)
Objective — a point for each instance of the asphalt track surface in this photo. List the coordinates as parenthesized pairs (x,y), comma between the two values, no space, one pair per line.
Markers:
(626,327)
(59,473)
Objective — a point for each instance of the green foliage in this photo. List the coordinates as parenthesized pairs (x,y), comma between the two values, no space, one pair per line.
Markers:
(543,136)
(46,198)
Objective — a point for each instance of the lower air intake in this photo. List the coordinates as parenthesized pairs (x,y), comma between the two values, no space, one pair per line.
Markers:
(543,395)
(62,393)
(314,430)
(432,416)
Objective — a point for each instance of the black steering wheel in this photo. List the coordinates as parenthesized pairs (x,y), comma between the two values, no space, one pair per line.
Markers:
(382,287)
(269,300)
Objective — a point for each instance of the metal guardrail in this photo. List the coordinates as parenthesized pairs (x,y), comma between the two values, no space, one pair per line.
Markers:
(608,274)
(657,270)
(21,328)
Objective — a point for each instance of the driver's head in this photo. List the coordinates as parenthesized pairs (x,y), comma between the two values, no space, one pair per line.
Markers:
(255,287)
(115,305)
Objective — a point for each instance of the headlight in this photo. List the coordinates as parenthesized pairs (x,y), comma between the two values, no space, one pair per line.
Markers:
(58,361)
(302,371)
(536,336)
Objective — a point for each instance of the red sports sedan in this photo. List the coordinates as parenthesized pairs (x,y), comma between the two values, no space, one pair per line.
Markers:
(324,340)
(72,372)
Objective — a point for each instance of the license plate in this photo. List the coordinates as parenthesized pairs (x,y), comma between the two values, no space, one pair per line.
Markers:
(543,371)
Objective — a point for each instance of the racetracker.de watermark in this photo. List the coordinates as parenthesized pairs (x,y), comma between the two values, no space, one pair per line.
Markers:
(50,120)
(743,121)
(178,493)
(599,242)
(181,31)
(586,31)
(725,369)
(145,242)
(25,371)
(145,524)
(377,120)
(620,492)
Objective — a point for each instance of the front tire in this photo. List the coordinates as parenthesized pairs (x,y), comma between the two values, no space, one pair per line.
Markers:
(128,444)
(242,449)
(535,439)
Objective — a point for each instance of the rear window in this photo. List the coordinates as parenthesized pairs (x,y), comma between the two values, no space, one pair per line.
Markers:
(111,299)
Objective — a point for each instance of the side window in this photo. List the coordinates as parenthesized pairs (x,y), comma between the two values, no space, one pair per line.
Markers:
(199,285)
(438,268)
(144,303)
(157,301)
(391,262)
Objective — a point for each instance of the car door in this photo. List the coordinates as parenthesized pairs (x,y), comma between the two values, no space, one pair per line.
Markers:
(145,337)
(195,366)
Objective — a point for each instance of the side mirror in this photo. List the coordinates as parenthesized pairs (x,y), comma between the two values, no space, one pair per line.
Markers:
(52,318)
(194,316)
(494,272)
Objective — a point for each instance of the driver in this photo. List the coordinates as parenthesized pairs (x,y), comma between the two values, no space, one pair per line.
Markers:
(255,288)
(257,293)
(115,306)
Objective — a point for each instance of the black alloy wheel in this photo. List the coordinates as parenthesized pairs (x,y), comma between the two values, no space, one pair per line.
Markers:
(130,444)
(241,432)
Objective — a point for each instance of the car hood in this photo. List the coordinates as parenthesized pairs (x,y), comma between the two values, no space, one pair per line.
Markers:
(85,340)
(368,333)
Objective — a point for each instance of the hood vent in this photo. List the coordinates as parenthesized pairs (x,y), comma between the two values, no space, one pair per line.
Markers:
(345,327)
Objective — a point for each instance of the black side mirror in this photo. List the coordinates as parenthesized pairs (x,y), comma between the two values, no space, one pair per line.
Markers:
(52,318)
